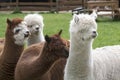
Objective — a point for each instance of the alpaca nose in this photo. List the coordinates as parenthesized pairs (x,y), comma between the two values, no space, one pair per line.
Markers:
(27,34)
(94,34)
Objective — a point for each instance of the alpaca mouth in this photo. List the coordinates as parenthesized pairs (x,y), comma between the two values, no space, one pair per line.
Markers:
(37,32)
(26,35)
(66,52)
(94,36)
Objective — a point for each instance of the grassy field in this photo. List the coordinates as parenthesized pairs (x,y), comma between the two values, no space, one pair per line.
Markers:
(108,30)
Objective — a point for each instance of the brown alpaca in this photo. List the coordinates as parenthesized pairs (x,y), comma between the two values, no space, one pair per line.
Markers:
(15,36)
(36,61)
(57,70)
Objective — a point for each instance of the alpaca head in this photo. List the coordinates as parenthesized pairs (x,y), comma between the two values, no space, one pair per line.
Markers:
(84,27)
(17,31)
(56,45)
(35,23)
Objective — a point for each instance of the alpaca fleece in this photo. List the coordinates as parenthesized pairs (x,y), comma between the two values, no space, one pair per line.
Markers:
(84,63)
(36,61)
(15,36)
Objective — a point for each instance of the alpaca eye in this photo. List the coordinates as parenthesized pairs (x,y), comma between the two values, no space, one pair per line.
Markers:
(17,31)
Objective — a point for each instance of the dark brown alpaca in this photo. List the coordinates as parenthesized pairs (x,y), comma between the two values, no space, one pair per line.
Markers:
(36,61)
(57,70)
(16,34)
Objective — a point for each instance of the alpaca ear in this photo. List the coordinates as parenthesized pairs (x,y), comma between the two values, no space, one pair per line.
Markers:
(9,22)
(94,14)
(76,18)
(60,32)
(47,38)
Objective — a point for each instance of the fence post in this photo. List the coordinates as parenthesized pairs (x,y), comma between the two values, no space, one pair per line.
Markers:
(17,1)
(57,6)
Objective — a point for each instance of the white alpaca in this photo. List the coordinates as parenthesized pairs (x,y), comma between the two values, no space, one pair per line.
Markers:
(83,62)
(35,25)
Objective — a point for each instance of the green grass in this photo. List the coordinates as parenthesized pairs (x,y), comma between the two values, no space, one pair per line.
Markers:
(108,30)
(53,23)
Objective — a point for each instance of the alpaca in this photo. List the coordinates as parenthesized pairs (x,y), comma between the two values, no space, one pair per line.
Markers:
(16,35)
(36,61)
(35,25)
(84,63)
(56,72)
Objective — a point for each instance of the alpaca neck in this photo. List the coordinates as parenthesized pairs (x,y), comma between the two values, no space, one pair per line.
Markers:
(44,62)
(11,51)
(9,58)
(57,70)
(36,38)
(79,65)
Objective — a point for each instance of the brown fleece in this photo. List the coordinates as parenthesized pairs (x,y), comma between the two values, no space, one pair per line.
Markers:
(36,61)
(11,52)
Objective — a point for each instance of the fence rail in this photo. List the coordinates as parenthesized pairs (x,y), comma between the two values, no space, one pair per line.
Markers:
(42,6)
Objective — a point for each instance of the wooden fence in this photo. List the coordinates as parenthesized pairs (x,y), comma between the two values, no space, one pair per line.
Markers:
(27,6)
(107,6)
(41,6)
(61,5)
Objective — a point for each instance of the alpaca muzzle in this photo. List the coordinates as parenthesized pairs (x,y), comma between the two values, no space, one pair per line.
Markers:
(66,52)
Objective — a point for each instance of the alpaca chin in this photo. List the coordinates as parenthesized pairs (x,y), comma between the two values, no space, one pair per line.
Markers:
(20,42)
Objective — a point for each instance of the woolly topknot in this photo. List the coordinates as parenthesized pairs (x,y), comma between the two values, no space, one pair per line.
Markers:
(81,22)
(32,19)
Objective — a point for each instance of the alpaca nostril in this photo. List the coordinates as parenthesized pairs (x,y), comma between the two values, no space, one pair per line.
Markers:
(27,32)
(94,32)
